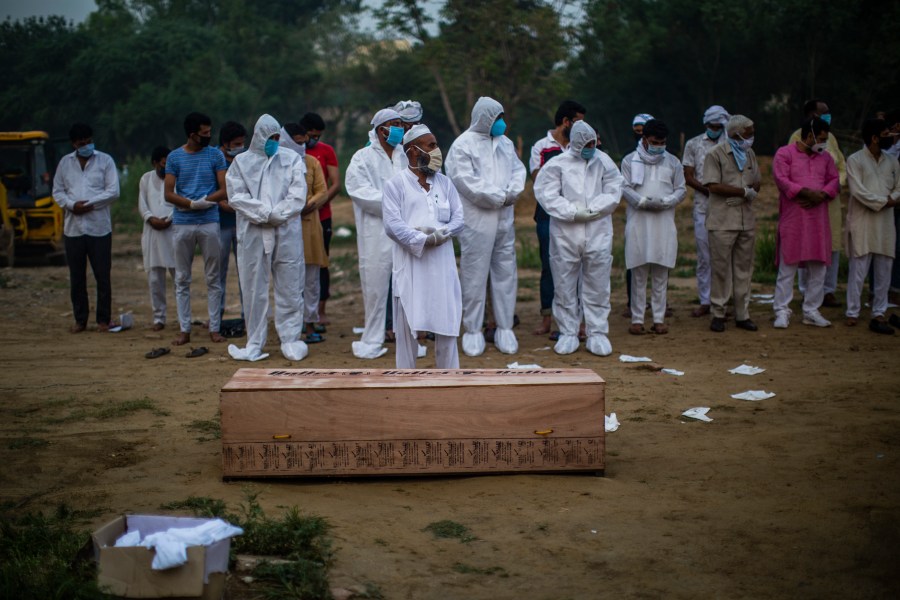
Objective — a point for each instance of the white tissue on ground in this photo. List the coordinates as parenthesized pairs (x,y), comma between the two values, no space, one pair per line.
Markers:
(753,395)
(171,545)
(746,370)
(516,365)
(625,358)
(342,232)
(611,423)
(674,372)
(359,330)
(421,351)
(698,412)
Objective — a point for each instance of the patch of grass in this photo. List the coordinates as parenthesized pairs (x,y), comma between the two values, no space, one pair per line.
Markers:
(684,273)
(26,442)
(212,428)
(765,270)
(451,529)
(298,579)
(470,570)
(528,255)
(108,410)
(202,506)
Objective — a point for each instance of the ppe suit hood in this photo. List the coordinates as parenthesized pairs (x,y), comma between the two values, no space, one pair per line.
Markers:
(580,136)
(287,141)
(484,113)
(266,126)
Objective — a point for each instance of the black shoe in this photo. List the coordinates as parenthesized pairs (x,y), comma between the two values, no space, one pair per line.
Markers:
(746,324)
(894,320)
(879,326)
(717,325)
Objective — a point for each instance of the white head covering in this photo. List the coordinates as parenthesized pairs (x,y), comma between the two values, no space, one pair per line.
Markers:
(383,116)
(252,164)
(416,131)
(410,111)
(641,119)
(286,141)
(484,113)
(716,115)
(737,123)
(266,126)
(580,136)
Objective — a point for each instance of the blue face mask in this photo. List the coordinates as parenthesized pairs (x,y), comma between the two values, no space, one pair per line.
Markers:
(713,134)
(588,153)
(271,148)
(86,151)
(655,150)
(395,135)
(826,117)
(498,128)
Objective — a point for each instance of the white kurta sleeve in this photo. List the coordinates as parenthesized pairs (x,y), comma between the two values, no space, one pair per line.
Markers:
(461,169)
(856,177)
(678,183)
(143,202)
(548,192)
(456,224)
(362,189)
(241,199)
(409,239)
(631,195)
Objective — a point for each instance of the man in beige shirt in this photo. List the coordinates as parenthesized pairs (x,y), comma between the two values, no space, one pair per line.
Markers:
(874,179)
(731,174)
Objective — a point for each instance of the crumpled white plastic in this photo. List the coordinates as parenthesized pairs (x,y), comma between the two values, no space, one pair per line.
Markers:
(611,423)
(516,365)
(170,546)
(746,370)
(132,538)
(342,232)
(753,395)
(625,358)
(421,351)
(674,372)
(359,330)
(698,412)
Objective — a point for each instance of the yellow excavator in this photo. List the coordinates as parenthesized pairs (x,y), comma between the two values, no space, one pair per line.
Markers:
(31,223)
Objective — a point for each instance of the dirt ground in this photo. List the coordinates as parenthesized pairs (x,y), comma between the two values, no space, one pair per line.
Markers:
(797,496)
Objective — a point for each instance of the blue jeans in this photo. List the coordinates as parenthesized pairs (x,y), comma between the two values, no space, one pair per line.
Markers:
(543,234)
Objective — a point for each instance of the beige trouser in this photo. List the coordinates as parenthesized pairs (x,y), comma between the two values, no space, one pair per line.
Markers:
(731,255)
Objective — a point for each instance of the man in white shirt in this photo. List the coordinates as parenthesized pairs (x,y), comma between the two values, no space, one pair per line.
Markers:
(422,212)
(654,186)
(86,183)
(695,152)
(157,244)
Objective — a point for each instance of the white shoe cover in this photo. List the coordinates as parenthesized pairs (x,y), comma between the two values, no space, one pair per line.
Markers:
(364,350)
(815,318)
(599,345)
(505,341)
(422,351)
(782,319)
(295,350)
(473,343)
(566,344)
(251,354)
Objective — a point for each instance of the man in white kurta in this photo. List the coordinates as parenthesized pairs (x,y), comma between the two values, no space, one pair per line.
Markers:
(580,189)
(654,186)
(369,169)
(422,212)
(267,189)
(157,244)
(484,167)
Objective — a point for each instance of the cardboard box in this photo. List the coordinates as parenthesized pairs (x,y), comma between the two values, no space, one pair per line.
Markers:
(351,422)
(126,572)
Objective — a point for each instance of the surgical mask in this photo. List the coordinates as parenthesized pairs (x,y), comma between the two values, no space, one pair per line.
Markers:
(826,117)
(434,162)
(395,135)
(655,150)
(232,152)
(161,172)
(886,142)
(713,134)
(203,140)
(86,151)
(311,143)
(498,128)
(745,144)
(271,148)
(819,148)
(588,153)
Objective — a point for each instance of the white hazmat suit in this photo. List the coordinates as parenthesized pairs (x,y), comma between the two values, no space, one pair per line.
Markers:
(489,177)
(369,168)
(268,194)
(580,195)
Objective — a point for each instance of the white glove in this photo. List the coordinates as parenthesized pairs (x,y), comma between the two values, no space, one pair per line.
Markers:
(510,199)
(201,204)
(750,194)
(276,218)
(425,229)
(585,215)
(647,203)
(437,238)
(734,201)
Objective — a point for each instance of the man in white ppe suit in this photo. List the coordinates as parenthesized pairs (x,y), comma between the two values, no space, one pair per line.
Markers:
(483,165)
(654,186)
(580,189)
(267,189)
(369,168)
(422,211)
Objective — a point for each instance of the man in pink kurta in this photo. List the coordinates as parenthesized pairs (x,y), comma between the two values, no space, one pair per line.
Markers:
(807,181)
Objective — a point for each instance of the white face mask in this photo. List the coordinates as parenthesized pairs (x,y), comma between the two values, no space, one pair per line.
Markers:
(435,160)
(745,144)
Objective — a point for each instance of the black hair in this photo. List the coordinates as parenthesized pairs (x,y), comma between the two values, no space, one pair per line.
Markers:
(80,131)
(893,117)
(810,106)
(193,121)
(816,125)
(294,129)
(655,128)
(159,153)
(568,110)
(872,127)
(313,120)
(230,131)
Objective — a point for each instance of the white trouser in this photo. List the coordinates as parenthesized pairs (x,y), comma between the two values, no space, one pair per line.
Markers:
(185,238)
(784,287)
(659,281)
(859,268)
(311,294)
(704,269)
(446,353)
(156,278)
(227,244)
(831,275)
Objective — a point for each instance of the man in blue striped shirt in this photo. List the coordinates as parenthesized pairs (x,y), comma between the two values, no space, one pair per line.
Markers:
(195,184)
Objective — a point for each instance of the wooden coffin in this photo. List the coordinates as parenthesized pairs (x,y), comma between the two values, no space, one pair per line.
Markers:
(345,422)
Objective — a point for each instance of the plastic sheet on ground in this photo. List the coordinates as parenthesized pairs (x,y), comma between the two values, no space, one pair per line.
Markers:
(516,365)
(746,370)
(698,412)
(753,395)
(626,358)
(674,372)
(611,423)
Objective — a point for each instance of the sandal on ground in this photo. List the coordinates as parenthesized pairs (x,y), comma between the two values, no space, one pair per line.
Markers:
(389,337)
(77,328)
(313,338)
(700,311)
(318,328)
(636,329)
(157,352)
(851,321)
(195,352)
(554,336)
(489,334)
(660,328)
